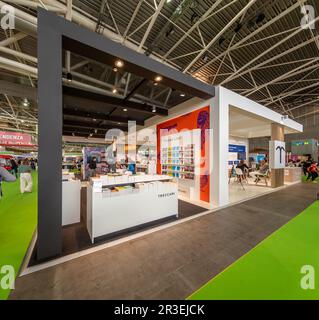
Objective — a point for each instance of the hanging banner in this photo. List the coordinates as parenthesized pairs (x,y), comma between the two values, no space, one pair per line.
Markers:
(15,139)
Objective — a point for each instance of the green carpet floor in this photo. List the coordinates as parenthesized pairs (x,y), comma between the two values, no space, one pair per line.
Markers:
(272,270)
(18,216)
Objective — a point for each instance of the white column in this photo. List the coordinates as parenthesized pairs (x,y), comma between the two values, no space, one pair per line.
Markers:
(219,122)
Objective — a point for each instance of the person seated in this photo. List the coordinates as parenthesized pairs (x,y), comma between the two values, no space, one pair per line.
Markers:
(243,166)
(262,172)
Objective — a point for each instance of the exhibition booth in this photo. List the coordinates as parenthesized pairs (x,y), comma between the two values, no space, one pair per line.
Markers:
(158,164)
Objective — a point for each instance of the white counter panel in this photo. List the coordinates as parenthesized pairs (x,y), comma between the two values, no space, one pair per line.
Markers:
(116,212)
(71,202)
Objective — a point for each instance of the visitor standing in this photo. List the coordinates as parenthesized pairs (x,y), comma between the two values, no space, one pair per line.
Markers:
(25,177)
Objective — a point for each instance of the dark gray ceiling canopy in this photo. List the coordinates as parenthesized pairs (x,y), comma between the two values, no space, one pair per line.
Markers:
(54,35)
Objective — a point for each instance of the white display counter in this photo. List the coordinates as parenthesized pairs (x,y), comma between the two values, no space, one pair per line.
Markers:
(143,200)
(71,202)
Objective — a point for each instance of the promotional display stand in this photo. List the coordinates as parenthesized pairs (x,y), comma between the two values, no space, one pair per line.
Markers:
(180,159)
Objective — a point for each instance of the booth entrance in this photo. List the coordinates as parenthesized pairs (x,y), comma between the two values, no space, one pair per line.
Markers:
(249,169)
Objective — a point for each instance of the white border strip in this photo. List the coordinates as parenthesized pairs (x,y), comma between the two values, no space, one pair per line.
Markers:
(51,263)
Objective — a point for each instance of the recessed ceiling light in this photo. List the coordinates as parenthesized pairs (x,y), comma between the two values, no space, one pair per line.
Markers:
(124,109)
(25,102)
(119,63)
(158,78)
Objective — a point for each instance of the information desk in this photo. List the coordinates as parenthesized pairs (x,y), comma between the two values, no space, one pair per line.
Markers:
(293,174)
(114,207)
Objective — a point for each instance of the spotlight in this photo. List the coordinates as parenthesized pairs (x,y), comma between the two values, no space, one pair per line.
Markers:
(169,32)
(154,109)
(182,94)
(158,78)
(119,63)
(69,77)
(205,58)
(260,18)
(155,83)
(25,102)
(114,90)
(125,110)
(221,41)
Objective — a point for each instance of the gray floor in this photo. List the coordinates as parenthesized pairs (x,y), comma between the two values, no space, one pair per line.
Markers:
(172,263)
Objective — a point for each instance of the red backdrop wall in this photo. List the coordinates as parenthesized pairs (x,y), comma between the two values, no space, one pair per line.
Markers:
(198,119)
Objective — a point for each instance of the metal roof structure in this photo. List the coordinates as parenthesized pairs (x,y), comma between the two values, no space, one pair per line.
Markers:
(266,50)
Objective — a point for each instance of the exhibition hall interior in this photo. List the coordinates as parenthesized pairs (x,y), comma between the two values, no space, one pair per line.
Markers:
(167,149)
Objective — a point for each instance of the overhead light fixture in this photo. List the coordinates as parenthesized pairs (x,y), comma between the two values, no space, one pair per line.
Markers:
(169,32)
(158,78)
(205,58)
(115,69)
(94,119)
(155,83)
(69,77)
(114,90)
(182,94)
(119,63)
(125,110)
(22,121)
(283,118)
(154,109)
(25,102)
(119,123)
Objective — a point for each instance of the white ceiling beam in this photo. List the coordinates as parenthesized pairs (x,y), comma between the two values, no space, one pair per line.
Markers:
(7,42)
(277,44)
(308,113)
(194,26)
(253,34)
(287,94)
(304,104)
(282,54)
(151,24)
(18,54)
(132,19)
(221,32)
(35,5)
(293,72)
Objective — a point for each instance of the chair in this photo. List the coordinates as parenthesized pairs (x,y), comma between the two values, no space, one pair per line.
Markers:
(264,176)
(240,176)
